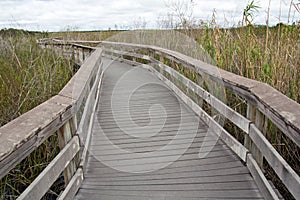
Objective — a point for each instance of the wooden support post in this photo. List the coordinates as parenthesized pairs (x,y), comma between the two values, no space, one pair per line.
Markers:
(134,59)
(260,123)
(77,55)
(161,59)
(259,120)
(151,54)
(83,55)
(65,134)
(251,116)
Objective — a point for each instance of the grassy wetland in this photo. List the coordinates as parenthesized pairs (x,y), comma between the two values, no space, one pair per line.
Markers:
(266,54)
(29,75)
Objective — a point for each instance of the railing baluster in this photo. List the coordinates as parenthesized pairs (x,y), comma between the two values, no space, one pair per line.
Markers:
(264,104)
(65,134)
(251,116)
(260,124)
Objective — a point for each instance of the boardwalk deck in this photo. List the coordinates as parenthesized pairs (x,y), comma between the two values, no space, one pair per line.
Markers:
(154,153)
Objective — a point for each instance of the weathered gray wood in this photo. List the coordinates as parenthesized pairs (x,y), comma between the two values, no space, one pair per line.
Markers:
(288,176)
(187,176)
(263,184)
(78,86)
(221,107)
(181,169)
(83,47)
(65,134)
(251,116)
(238,148)
(256,93)
(73,186)
(21,136)
(38,124)
(91,194)
(78,44)
(260,124)
(88,108)
(51,40)
(248,89)
(43,182)
(96,89)
(125,53)
(281,110)
(121,59)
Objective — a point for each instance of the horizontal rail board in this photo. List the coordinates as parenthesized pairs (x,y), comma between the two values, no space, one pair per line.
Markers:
(72,187)
(131,54)
(90,102)
(86,144)
(225,110)
(283,170)
(235,146)
(281,110)
(77,87)
(24,134)
(43,182)
(288,176)
(260,179)
(221,107)
(66,43)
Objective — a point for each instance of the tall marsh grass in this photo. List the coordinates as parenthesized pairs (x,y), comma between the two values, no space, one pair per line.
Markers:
(29,75)
(249,52)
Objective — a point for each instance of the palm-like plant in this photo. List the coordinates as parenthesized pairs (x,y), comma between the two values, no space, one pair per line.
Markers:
(249,11)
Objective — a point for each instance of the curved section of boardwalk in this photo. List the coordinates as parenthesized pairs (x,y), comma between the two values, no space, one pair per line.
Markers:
(146,144)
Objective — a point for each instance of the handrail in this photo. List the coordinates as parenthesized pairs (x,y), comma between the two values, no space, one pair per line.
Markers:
(70,112)
(77,52)
(263,101)
(63,114)
(51,41)
(281,110)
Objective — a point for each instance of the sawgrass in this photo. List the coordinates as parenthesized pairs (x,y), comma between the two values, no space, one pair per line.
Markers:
(29,75)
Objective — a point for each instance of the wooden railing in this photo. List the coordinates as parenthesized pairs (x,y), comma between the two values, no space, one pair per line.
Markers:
(73,51)
(263,103)
(68,114)
(71,111)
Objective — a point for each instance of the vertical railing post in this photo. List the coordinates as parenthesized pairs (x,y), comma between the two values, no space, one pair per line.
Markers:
(65,134)
(251,116)
(162,60)
(261,124)
(77,58)
(259,120)
(134,59)
(83,55)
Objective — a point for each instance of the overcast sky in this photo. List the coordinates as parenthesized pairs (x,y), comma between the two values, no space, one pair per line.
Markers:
(59,15)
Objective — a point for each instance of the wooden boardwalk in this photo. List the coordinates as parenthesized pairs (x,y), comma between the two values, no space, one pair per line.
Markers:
(125,163)
(144,133)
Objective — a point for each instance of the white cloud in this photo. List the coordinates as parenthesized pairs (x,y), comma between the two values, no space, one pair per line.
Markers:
(55,15)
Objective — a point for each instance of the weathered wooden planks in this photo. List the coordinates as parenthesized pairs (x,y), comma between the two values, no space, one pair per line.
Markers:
(288,176)
(24,134)
(72,188)
(281,110)
(21,136)
(43,182)
(218,175)
(265,101)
